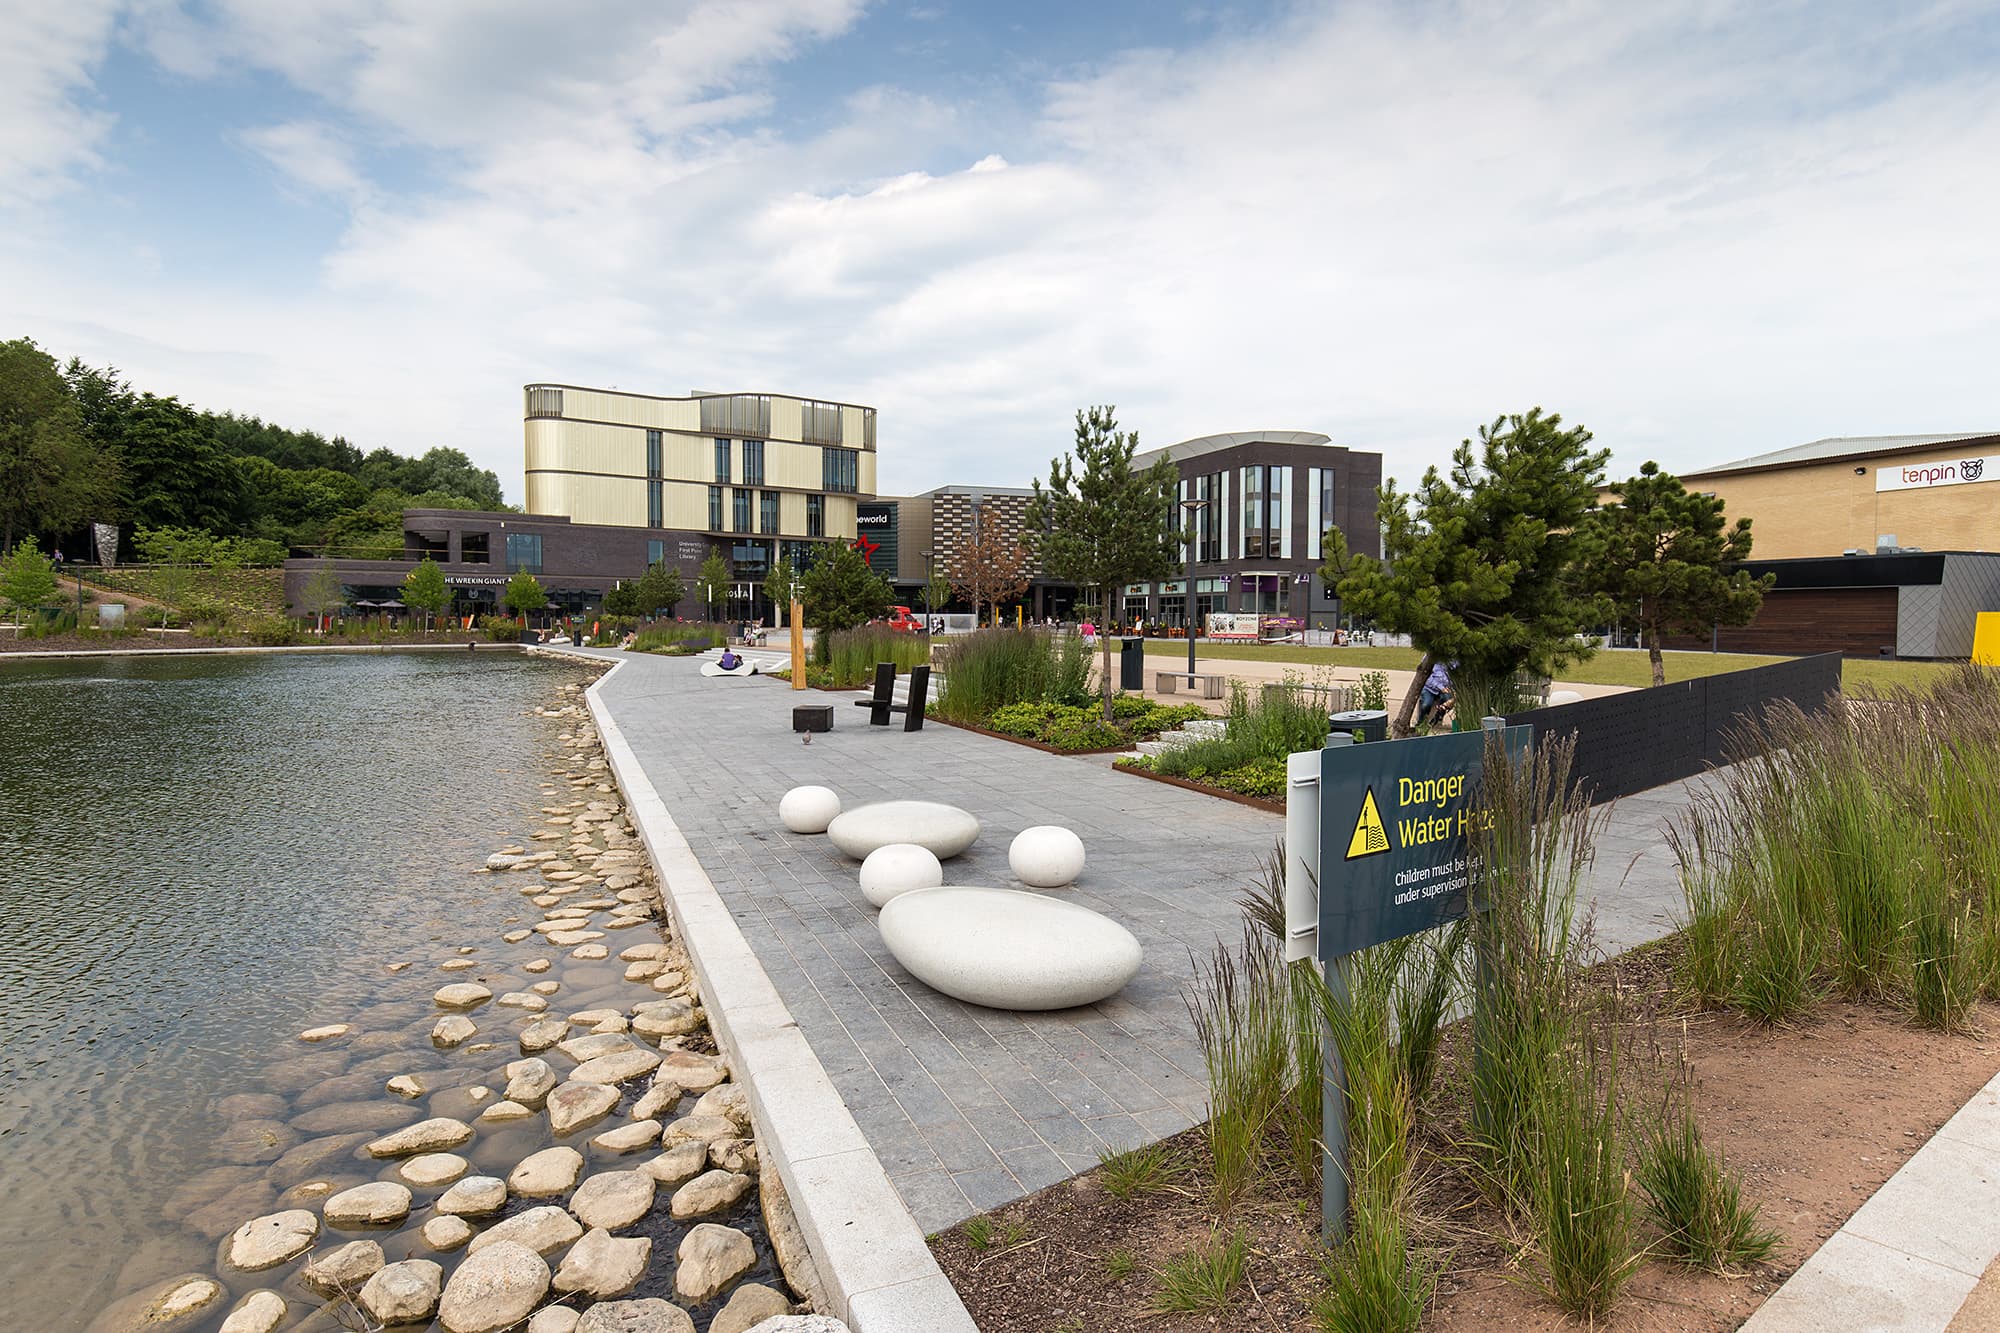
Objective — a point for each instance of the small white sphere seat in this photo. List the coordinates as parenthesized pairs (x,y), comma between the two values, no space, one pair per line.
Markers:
(945,829)
(899,868)
(1007,949)
(808,809)
(1046,856)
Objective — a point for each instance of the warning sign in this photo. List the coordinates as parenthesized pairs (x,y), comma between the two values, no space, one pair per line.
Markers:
(1370,837)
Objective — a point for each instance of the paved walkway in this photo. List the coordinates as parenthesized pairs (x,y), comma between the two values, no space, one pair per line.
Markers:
(968,1108)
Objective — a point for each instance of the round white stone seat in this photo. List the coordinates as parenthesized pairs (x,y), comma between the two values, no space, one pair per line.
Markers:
(808,809)
(1046,856)
(1007,949)
(898,868)
(945,830)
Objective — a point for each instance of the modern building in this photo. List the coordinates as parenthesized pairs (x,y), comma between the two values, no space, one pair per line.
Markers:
(1907,604)
(1266,500)
(1856,495)
(1261,503)
(618,481)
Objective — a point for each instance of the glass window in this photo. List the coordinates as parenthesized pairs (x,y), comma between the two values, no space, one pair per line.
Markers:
(867,428)
(715,509)
(753,462)
(740,509)
(474,549)
(1253,511)
(1277,514)
(656,551)
(722,460)
(815,516)
(737,414)
(819,423)
(1210,523)
(840,470)
(524,551)
(767,513)
(1322,511)
(655,502)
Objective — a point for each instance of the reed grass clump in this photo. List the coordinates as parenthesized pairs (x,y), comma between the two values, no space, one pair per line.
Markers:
(851,654)
(1851,849)
(988,670)
(1692,1198)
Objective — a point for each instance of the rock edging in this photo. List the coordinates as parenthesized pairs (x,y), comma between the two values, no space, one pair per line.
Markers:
(877,1271)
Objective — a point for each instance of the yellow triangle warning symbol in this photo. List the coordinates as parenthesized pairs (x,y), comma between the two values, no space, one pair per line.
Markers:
(1370,837)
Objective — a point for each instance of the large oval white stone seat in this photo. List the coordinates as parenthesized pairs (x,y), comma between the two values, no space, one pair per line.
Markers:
(808,809)
(945,829)
(1007,949)
(900,867)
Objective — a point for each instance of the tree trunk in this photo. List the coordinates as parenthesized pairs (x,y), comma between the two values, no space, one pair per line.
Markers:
(1404,720)
(1653,651)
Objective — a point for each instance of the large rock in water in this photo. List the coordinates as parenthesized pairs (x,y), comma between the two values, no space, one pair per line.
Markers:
(494,1289)
(1009,950)
(748,1306)
(945,830)
(374,1204)
(550,1171)
(613,1199)
(575,1105)
(651,1315)
(602,1265)
(544,1230)
(404,1293)
(341,1270)
(266,1242)
(177,1304)
(259,1312)
(434,1135)
(710,1258)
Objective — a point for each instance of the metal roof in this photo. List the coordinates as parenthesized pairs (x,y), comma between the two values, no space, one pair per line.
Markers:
(1846,446)
(1209,444)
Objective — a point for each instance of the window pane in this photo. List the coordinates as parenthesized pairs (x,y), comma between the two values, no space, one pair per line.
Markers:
(524,551)
(722,460)
(767,512)
(740,509)
(652,453)
(654,503)
(655,553)
(715,509)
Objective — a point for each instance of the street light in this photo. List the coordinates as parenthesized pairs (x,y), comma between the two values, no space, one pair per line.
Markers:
(1192,508)
(928,578)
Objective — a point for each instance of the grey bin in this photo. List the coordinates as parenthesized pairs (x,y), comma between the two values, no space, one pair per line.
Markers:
(1372,724)
(1131,664)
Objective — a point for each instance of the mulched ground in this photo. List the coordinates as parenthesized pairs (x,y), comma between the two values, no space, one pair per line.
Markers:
(1813,1117)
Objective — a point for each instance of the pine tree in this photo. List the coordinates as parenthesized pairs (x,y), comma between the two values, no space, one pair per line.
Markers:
(1098,523)
(840,592)
(1479,563)
(1663,555)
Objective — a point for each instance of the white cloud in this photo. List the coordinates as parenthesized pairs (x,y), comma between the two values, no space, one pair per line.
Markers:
(1704,232)
(48,131)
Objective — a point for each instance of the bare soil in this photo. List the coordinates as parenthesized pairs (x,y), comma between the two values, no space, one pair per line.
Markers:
(1813,1117)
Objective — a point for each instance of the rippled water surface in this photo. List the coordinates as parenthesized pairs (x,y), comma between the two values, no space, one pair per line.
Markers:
(198,858)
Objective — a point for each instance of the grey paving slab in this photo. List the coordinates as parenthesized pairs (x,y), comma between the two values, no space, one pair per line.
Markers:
(969,1107)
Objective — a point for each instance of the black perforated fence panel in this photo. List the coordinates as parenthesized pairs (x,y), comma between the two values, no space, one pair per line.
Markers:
(1629,742)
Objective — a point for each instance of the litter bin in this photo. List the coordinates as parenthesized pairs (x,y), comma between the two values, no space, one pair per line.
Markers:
(1131,664)
(1369,724)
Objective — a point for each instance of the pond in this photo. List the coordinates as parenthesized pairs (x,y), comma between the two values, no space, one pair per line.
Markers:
(199,858)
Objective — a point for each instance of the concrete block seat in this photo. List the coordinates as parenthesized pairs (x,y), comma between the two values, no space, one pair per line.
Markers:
(899,868)
(945,830)
(808,809)
(1007,949)
(1210,685)
(1046,856)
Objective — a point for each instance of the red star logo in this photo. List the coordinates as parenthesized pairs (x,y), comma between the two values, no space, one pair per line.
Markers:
(866,547)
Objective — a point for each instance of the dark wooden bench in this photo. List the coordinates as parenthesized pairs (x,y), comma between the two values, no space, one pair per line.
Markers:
(879,704)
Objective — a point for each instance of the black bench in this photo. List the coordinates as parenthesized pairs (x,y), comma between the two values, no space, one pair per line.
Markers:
(878,702)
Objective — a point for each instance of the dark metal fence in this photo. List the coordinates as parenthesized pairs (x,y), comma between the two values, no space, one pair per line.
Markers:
(1627,743)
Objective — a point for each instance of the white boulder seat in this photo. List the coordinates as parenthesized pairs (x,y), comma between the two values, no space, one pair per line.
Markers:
(1560,697)
(899,868)
(808,809)
(1046,856)
(945,829)
(1007,949)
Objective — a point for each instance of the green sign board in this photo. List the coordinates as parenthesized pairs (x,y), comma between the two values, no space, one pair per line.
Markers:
(1393,819)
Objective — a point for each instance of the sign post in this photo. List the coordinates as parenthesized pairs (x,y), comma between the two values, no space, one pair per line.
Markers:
(1395,857)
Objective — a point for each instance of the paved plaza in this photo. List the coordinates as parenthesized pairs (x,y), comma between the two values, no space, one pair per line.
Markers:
(966,1107)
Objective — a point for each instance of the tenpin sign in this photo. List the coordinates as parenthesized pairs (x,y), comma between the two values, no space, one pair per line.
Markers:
(1393,823)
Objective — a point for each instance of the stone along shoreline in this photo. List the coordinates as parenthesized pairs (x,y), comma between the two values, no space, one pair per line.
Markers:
(551,1142)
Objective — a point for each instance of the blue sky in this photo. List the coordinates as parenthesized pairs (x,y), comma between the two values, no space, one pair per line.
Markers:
(1705,230)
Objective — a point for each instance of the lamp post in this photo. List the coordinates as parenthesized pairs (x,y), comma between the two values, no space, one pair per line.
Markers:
(1192,508)
(929,578)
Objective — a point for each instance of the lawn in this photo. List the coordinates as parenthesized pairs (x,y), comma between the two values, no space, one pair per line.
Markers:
(1611,667)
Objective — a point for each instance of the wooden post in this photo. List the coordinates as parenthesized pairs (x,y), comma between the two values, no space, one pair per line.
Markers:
(798,645)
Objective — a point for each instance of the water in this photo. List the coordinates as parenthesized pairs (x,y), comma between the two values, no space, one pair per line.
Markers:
(200,857)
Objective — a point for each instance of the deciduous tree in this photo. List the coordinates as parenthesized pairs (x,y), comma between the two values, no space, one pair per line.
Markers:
(1101,525)
(781,585)
(1478,562)
(52,477)
(712,580)
(840,592)
(1664,556)
(27,578)
(524,594)
(425,590)
(992,566)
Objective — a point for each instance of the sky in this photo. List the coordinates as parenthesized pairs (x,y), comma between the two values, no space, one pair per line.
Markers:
(1703,229)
